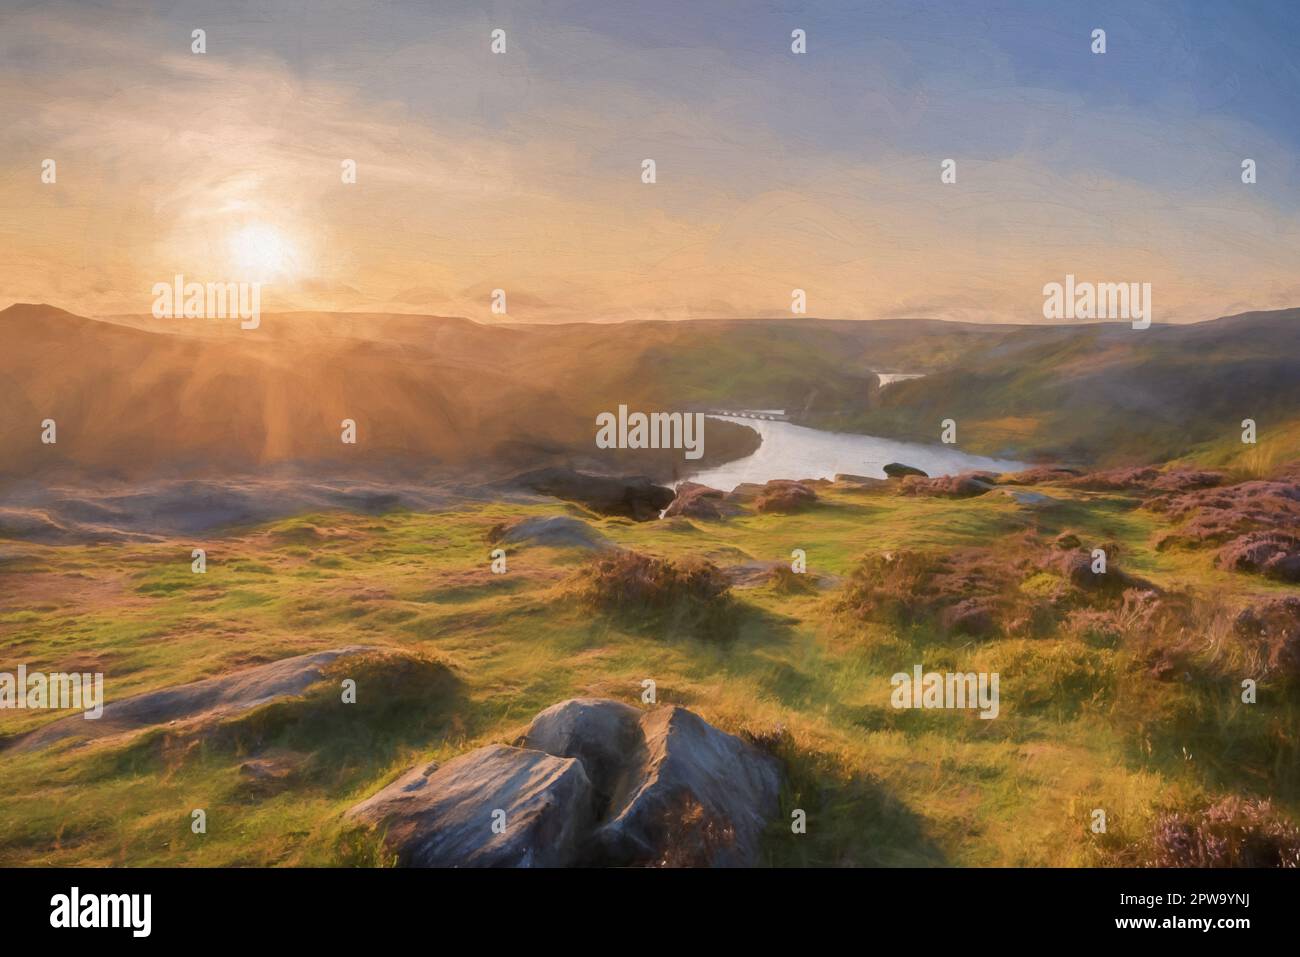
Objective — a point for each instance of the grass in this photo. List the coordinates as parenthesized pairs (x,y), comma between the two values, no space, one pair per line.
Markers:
(1083,725)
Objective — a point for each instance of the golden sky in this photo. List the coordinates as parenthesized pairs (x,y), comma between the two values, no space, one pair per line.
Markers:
(522,171)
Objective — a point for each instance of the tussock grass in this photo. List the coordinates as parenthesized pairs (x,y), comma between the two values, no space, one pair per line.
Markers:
(685,596)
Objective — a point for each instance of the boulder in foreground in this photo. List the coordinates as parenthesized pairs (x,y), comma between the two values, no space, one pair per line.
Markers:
(598,783)
(494,807)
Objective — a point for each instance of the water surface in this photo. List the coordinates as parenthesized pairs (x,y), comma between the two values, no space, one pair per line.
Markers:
(797,452)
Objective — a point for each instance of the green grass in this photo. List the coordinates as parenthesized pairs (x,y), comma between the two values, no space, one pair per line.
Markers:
(1081,726)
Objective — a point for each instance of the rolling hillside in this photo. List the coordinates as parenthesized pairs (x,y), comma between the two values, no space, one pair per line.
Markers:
(138,396)
(1105,394)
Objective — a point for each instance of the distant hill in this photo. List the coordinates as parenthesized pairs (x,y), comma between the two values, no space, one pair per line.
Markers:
(1104,393)
(136,396)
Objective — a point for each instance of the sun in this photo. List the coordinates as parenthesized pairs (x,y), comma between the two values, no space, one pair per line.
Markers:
(261,252)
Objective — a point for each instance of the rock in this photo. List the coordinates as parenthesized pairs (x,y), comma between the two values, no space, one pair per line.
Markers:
(696,796)
(443,816)
(1271,554)
(898,470)
(745,492)
(553,531)
(700,501)
(602,734)
(1067,540)
(199,701)
(635,497)
(965,485)
(598,783)
(782,496)
(1030,499)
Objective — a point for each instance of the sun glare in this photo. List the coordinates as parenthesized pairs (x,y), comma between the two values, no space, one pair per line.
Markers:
(261,252)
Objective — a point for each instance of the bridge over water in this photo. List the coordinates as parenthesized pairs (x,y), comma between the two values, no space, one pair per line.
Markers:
(772,415)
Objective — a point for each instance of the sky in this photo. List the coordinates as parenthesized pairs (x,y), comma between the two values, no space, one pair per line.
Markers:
(522,171)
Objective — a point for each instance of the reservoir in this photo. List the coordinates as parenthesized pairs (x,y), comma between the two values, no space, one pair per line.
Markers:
(792,451)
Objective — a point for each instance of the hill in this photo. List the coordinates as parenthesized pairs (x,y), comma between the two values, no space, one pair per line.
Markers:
(1105,393)
(136,397)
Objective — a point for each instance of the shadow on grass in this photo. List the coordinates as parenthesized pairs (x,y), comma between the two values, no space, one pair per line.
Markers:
(852,818)
(1200,729)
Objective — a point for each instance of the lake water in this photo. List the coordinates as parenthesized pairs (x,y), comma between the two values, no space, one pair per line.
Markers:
(796,452)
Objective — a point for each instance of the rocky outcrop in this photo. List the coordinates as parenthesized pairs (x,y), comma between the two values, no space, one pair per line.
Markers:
(700,501)
(494,807)
(782,496)
(600,733)
(898,470)
(635,497)
(695,796)
(552,531)
(965,485)
(209,700)
(596,782)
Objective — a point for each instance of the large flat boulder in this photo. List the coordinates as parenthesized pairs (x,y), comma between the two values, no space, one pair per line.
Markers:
(198,701)
(497,806)
(598,783)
